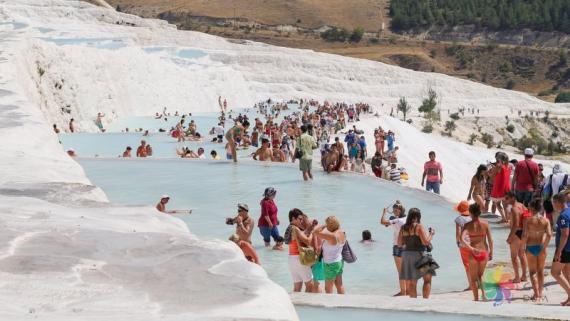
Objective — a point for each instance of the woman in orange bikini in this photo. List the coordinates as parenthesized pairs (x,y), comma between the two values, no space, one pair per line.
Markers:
(476,236)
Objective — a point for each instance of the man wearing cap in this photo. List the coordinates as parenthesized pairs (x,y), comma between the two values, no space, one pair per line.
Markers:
(526,177)
(161,206)
(244,223)
(463,209)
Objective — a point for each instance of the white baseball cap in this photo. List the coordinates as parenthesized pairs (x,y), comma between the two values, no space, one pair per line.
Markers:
(529,152)
(164,196)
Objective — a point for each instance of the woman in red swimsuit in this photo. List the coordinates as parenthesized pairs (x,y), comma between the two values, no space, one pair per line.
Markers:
(476,236)
(501,174)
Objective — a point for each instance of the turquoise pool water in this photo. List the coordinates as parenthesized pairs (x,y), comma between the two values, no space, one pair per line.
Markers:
(176,52)
(100,43)
(213,189)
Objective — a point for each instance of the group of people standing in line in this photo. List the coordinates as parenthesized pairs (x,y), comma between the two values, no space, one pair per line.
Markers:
(530,204)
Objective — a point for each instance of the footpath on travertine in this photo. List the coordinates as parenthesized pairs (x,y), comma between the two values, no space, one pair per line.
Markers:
(510,300)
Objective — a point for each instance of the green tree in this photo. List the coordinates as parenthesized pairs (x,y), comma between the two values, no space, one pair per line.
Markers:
(450,127)
(357,34)
(404,107)
(429,103)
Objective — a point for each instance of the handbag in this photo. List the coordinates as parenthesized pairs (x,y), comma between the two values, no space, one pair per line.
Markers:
(307,255)
(347,254)
(298,153)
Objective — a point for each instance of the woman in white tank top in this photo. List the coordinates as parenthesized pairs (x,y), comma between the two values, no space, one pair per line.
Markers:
(333,242)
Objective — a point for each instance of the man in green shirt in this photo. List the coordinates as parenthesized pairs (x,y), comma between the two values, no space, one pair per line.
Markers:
(306,144)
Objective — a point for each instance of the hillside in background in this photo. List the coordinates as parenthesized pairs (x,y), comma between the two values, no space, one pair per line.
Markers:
(311,14)
(481,40)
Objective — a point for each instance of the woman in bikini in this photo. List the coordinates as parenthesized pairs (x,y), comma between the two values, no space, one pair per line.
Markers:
(476,236)
(477,190)
(536,236)
(233,135)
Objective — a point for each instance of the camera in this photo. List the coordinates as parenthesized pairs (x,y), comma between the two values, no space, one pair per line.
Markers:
(230,221)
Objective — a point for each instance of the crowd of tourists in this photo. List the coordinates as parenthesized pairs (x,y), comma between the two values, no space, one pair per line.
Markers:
(532,204)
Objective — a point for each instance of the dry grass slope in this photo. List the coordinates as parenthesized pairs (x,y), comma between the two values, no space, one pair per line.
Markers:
(304,13)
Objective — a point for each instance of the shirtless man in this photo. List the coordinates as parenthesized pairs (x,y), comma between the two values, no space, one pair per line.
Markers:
(127,152)
(536,236)
(517,213)
(278,154)
(71,126)
(331,159)
(244,223)
(339,146)
(161,206)
(264,152)
(141,150)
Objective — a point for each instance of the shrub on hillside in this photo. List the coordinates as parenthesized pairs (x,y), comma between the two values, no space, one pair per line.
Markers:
(428,128)
(450,127)
(487,139)
(357,34)
(511,128)
(335,34)
(472,139)
(510,84)
(454,116)
(563,98)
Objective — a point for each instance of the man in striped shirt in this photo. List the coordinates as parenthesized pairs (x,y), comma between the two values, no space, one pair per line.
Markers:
(395,174)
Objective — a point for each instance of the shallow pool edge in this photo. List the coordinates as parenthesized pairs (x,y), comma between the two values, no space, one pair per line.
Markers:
(435,305)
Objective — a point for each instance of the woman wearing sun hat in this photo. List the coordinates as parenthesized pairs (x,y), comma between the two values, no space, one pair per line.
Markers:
(463,209)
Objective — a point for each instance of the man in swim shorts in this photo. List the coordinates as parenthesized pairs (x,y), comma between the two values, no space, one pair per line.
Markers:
(433,171)
(561,263)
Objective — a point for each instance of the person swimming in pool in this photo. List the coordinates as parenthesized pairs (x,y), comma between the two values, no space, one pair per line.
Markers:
(127,152)
(517,213)
(161,206)
(233,135)
(476,236)
(536,236)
